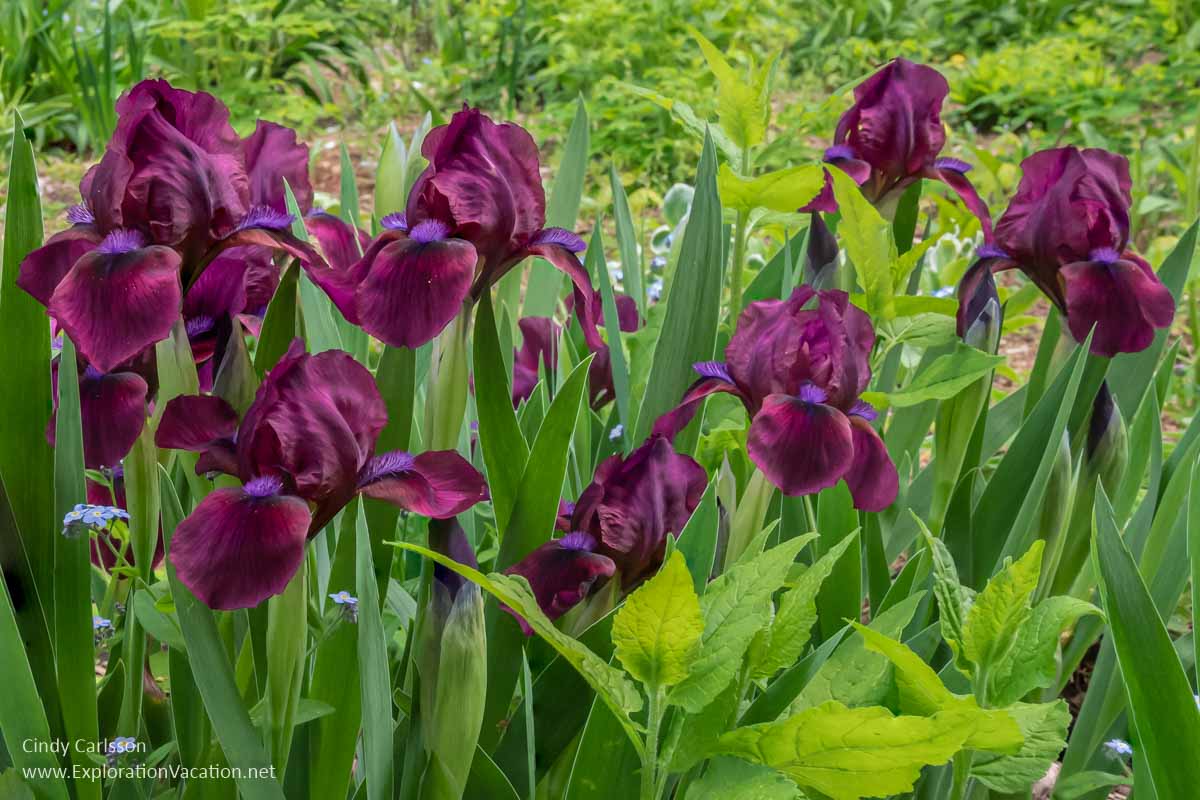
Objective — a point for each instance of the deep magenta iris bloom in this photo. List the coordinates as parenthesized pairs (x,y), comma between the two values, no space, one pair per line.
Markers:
(539,346)
(303,450)
(561,573)
(799,367)
(175,188)
(893,135)
(1067,228)
(475,212)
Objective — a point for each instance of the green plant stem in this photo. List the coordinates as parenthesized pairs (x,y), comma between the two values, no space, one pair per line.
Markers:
(650,755)
(962,771)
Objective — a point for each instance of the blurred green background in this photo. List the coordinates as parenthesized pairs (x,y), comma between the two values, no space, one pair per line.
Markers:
(1024,75)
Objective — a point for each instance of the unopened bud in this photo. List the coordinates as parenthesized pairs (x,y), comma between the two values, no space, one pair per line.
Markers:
(979,316)
(1107,440)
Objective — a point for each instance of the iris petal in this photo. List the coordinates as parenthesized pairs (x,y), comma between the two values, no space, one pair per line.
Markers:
(437,484)
(412,290)
(801,447)
(116,304)
(561,573)
(112,410)
(237,549)
(872,476)
(1124,300)
(44,268)
(193,422)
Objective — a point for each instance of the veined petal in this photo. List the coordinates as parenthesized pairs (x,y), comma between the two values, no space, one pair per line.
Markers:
(241,546)
(337,239)
(116,302)
(953,173)
(112,410)
(193,422)
(566,261)
(1122,298)
(44,268)
(802,447)
(413,289)
(561,573)
(670,424)
(273,155)
(872,476)
(438,483)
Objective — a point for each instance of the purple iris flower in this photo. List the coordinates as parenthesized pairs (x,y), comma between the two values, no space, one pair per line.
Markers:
(539,345)
(799,371)
(561,573)
(303,450)
(1067,228)
(175,188)
(476,211)
(892,136)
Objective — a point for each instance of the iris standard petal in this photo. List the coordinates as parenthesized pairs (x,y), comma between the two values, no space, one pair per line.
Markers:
(872,476)
(438,483)
(802,447)
(413,289)
(273,155)
(1121,297)
(118,300)
(341,243)
(241,546)
(193,422)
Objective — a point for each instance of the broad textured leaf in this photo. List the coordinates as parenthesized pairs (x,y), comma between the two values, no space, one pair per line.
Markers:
(734,609)
(1032,661)
(792,627)
(999,611)
(783,190)
(954,599)
(693,736)
(946,376)
(853,675)
(742,102)
(867,237)
(851,753)
(727,778)
(657,631)
(1044,728)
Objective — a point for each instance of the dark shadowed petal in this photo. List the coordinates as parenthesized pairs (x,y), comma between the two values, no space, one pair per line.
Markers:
(118,299)
(843,157)
(565,260)
(645,496)
(241,546)
(872,476)
(438,484)
(824,202)
(446,536)
(337,239)
(953,173)
(413,289)
(561,573)
(44,268)
(801,446)
(774,343)
(820,253)
(192,422)
(272,156)
(265,227)
(539,345)
(713,379)
(112,410)
(1122,297)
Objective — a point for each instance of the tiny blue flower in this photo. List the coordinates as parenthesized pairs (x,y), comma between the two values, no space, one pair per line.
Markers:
(945,291)
(655,289)
(100,623)
(122,744)
(657,263)
(616,433)
(618,274)
(349,604)
(1118,748)
(86,517)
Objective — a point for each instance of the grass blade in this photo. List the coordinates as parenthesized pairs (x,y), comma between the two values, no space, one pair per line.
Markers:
(374,679)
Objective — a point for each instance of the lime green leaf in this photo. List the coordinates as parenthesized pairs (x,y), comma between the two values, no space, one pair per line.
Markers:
(731,777)
(850,753)
(854,675)
(1044,728)
(687,117)
(907,261)
(734,609)
(1082,783)
(783,190)
(1032,663)
(609,683)
(946,376)
(922,692)
(1001,609)
(657,632)
(743,103)
(693,736)
(954,599)
(868,240)
(790,630)
(922,330)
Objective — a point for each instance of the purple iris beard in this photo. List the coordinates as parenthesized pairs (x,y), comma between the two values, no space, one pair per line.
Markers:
(264,486)
(395,463)
(431,230)
(122,240)
(265,217)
